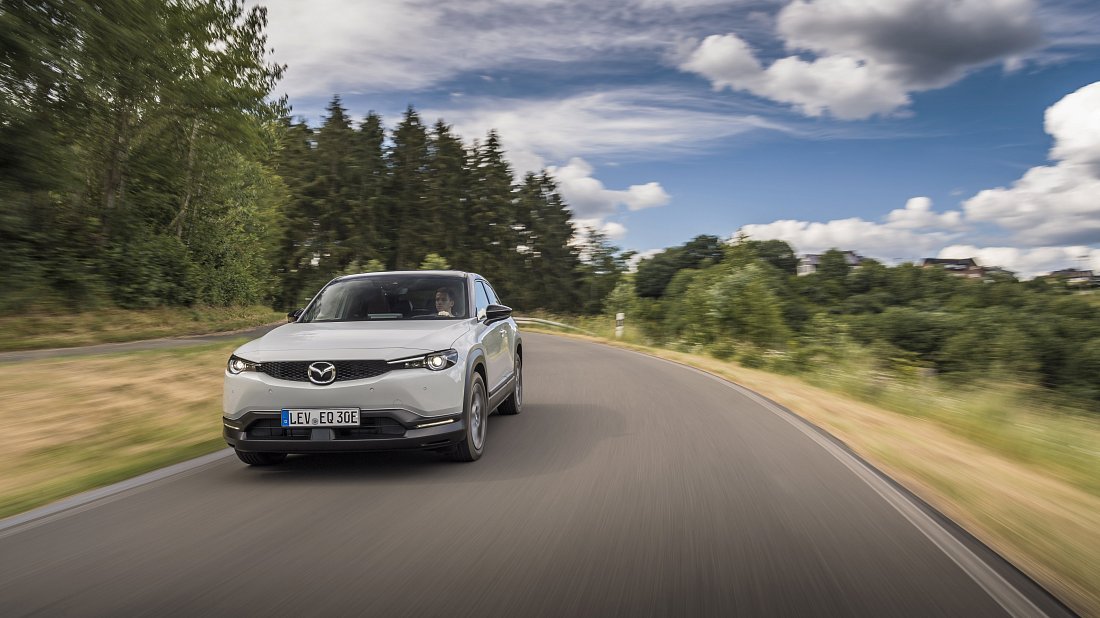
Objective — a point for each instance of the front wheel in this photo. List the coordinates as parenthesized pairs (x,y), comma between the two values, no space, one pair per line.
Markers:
(477,411)
(514,403)
(260,459)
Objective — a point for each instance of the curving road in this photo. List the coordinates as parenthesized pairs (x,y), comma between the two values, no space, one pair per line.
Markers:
(629,486)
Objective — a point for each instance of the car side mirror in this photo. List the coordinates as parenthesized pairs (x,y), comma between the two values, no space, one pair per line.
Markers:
(496,313)
(293,316)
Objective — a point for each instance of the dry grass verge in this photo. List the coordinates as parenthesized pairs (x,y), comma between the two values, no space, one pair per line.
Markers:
(62,330)
(104,419)
(1046,524)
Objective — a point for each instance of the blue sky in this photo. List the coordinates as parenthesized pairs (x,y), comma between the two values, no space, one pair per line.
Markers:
(900,129)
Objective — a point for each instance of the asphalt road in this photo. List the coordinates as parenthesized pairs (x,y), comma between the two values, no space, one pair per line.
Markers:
(134,346)
(628,487)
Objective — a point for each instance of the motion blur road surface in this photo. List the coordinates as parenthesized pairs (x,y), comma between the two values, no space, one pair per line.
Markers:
(628,486)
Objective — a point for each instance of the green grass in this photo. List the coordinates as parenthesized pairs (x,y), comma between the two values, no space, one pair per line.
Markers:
(54,329)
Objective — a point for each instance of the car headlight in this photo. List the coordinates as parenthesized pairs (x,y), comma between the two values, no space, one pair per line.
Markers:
(237,364)
(436,361)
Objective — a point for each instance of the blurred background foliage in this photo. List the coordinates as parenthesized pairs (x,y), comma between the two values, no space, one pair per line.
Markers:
(144,163)
(903,322)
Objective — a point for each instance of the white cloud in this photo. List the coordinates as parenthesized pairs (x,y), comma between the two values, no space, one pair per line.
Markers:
(853,234)
(870,54)
(1054,204)
(339,45)
(590,200)
(918,214)
(1074,122)
(726,60)
(627,122)
(679,4)
(844,86)
(613,230)
(908,233)
(386,45)
(649,195)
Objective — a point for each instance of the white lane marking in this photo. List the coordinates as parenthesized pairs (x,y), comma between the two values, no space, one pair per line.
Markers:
(1005,594)
(97,497)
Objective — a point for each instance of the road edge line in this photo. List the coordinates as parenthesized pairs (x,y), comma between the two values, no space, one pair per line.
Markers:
(74,504)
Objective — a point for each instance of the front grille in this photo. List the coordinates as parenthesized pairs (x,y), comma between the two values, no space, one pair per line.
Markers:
(369,427)
(297,371)
(272,429)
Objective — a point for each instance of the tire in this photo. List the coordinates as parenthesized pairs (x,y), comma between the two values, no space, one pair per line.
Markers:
(475,413)
(514,403)
(261,459)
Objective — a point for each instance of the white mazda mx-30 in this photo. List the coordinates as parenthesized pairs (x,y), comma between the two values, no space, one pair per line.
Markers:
(378,361)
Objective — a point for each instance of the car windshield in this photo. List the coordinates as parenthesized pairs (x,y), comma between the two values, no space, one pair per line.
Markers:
(390,297)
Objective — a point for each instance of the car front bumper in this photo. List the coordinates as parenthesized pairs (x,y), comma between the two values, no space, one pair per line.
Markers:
(378,430)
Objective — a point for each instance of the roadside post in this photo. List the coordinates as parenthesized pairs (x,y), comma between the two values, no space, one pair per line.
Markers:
(619,319)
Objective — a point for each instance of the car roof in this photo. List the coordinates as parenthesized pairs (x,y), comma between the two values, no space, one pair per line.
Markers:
(451,273)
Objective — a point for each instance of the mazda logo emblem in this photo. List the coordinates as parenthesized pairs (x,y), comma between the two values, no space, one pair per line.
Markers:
(322,373)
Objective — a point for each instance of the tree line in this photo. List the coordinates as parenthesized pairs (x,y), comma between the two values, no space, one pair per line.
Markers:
(744,300)
(362,199)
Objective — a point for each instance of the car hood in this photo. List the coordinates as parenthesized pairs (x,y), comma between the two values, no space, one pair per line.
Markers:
(354,340)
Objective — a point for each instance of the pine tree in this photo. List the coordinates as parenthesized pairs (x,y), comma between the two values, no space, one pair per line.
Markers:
(448,195)
(492,217)
(365,241)
(408,213)
(550,257)
(297,165)
(563,257)
(338,186)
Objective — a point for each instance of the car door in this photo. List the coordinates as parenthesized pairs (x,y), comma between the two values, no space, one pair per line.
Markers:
(508,328)
(491,338)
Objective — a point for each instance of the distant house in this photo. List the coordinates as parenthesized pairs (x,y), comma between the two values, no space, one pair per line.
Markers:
(1075,277)
(809,262)
(966,267)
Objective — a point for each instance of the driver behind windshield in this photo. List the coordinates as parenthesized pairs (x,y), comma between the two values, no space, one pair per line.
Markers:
(444,303)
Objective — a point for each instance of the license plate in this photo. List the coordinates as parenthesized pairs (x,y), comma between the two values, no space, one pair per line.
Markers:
(338,417)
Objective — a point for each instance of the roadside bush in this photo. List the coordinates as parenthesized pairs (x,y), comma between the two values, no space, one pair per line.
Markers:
(752,357)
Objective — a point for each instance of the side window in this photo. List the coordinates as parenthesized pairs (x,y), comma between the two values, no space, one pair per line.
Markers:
(493,298)
(481,297)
